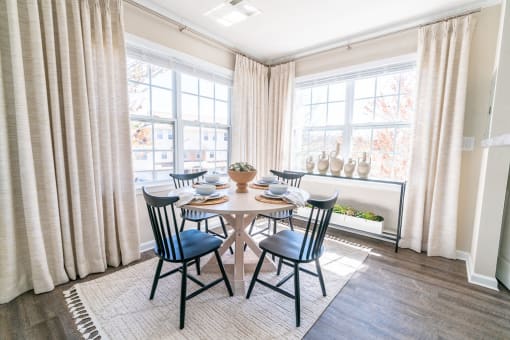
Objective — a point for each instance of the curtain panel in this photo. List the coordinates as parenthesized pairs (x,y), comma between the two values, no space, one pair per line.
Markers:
(432,193)
(262,103)
(67,199)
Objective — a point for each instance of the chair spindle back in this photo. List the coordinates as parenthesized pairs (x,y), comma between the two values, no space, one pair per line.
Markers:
(289,177)
(316,227)
(161,224)
(186,180)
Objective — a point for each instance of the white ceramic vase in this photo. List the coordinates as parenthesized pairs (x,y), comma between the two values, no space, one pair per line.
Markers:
(310,164)
(323,163)
(349,167)
(364,165)
(336,163)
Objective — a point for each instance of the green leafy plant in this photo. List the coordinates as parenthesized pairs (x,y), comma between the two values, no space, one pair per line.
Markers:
(350,211)
(241,166)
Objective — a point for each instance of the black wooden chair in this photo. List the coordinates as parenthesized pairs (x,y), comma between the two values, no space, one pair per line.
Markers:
(292,179)
(294,248)
(184,180)
(180,247)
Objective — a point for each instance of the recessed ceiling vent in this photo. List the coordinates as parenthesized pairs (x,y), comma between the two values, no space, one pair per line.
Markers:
(231,12)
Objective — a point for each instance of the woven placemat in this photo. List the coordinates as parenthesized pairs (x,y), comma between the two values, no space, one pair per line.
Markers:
(218,186)
(270,200)
(211,202)
(258,187)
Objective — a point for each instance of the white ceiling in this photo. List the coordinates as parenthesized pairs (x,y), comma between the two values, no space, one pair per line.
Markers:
(287,28)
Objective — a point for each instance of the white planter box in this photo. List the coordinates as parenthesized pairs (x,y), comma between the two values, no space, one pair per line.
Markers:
(362,224)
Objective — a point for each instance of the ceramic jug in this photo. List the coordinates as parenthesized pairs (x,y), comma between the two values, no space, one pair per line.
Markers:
(310,164)
(349,167)
(323,163)
(364,164)
(336,163)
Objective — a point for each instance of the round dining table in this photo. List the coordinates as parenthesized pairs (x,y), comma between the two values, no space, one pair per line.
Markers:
(239,211)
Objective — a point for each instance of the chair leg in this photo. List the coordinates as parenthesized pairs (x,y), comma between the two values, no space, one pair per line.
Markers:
(274,233)
(197,264)
(156,278)
(223,274)
(198,226)
(297,299)
(182,225)
(279,270)
(321,278)
(256,274)
(290,223)
(183,294)
(252,226)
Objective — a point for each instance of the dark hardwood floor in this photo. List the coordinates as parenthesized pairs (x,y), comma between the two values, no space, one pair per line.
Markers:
(394,296)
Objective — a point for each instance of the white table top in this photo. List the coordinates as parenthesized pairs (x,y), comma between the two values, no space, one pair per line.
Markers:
(239,203)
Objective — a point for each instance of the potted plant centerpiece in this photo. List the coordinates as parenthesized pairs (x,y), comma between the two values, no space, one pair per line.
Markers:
(242,173)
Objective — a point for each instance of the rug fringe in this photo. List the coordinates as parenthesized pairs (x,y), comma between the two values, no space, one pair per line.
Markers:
(84,323)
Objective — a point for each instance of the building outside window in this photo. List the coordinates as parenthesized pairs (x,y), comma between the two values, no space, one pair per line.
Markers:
(368,111)
(165,102)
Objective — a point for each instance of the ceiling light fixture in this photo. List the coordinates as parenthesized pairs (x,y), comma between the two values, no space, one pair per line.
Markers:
(231,12)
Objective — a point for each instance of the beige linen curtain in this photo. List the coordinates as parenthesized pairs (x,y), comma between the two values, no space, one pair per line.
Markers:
(262,100)
(431,203)
(67,201)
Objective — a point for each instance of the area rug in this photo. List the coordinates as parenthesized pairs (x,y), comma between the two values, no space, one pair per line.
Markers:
(116,306)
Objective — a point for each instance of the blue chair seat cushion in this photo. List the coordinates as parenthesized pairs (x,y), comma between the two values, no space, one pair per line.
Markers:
(194,243)
(287,244)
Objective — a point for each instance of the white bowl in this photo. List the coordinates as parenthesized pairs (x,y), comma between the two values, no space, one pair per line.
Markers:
(205,189)
(212,178)
(278,189)
(269,178)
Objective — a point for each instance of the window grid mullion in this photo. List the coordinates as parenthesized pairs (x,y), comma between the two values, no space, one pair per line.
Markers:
(179,126)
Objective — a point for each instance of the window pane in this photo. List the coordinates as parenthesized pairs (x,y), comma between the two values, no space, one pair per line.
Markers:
(189,107)
(143,176)
(336,113)
(161,76)
(407,82)
(163,175)
(208,139)
(406,107)
(142,160)
(314,140)
(162,105)
(141,135)
(318,115)
(386,109)
(303,96)
(138,99)
(222,156)
(163,160)
(364,88)
(191,137)
(382,165)
(206,88)
(320,94)
(189,83)
(383,140)
(400,165)
(221,112)
(363,111)
(222,139)
(206,110)
(403,142)
(336,92)
(221,92)
(388,85)
(360,142)
(137,71)
(162,140)
(332,137)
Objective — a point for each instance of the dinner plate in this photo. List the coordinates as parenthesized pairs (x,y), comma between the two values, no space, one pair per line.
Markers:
(215,194)
(217,183)
(268,194)
(263,183)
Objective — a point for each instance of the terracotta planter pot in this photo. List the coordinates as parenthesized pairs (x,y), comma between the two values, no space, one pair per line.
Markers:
(242,178)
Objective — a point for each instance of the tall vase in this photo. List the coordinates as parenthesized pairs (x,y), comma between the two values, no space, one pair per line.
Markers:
(349,167)
(336,163)
(323,163)
(364,165)
(310,164)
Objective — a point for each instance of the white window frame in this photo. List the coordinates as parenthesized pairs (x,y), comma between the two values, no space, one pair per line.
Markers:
(151,53)
(349,76)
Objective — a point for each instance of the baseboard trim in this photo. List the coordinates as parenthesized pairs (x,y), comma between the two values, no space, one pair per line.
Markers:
(475,278)
(147,246)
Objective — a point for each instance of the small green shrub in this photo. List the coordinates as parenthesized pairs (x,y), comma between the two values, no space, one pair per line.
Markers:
(350,211)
